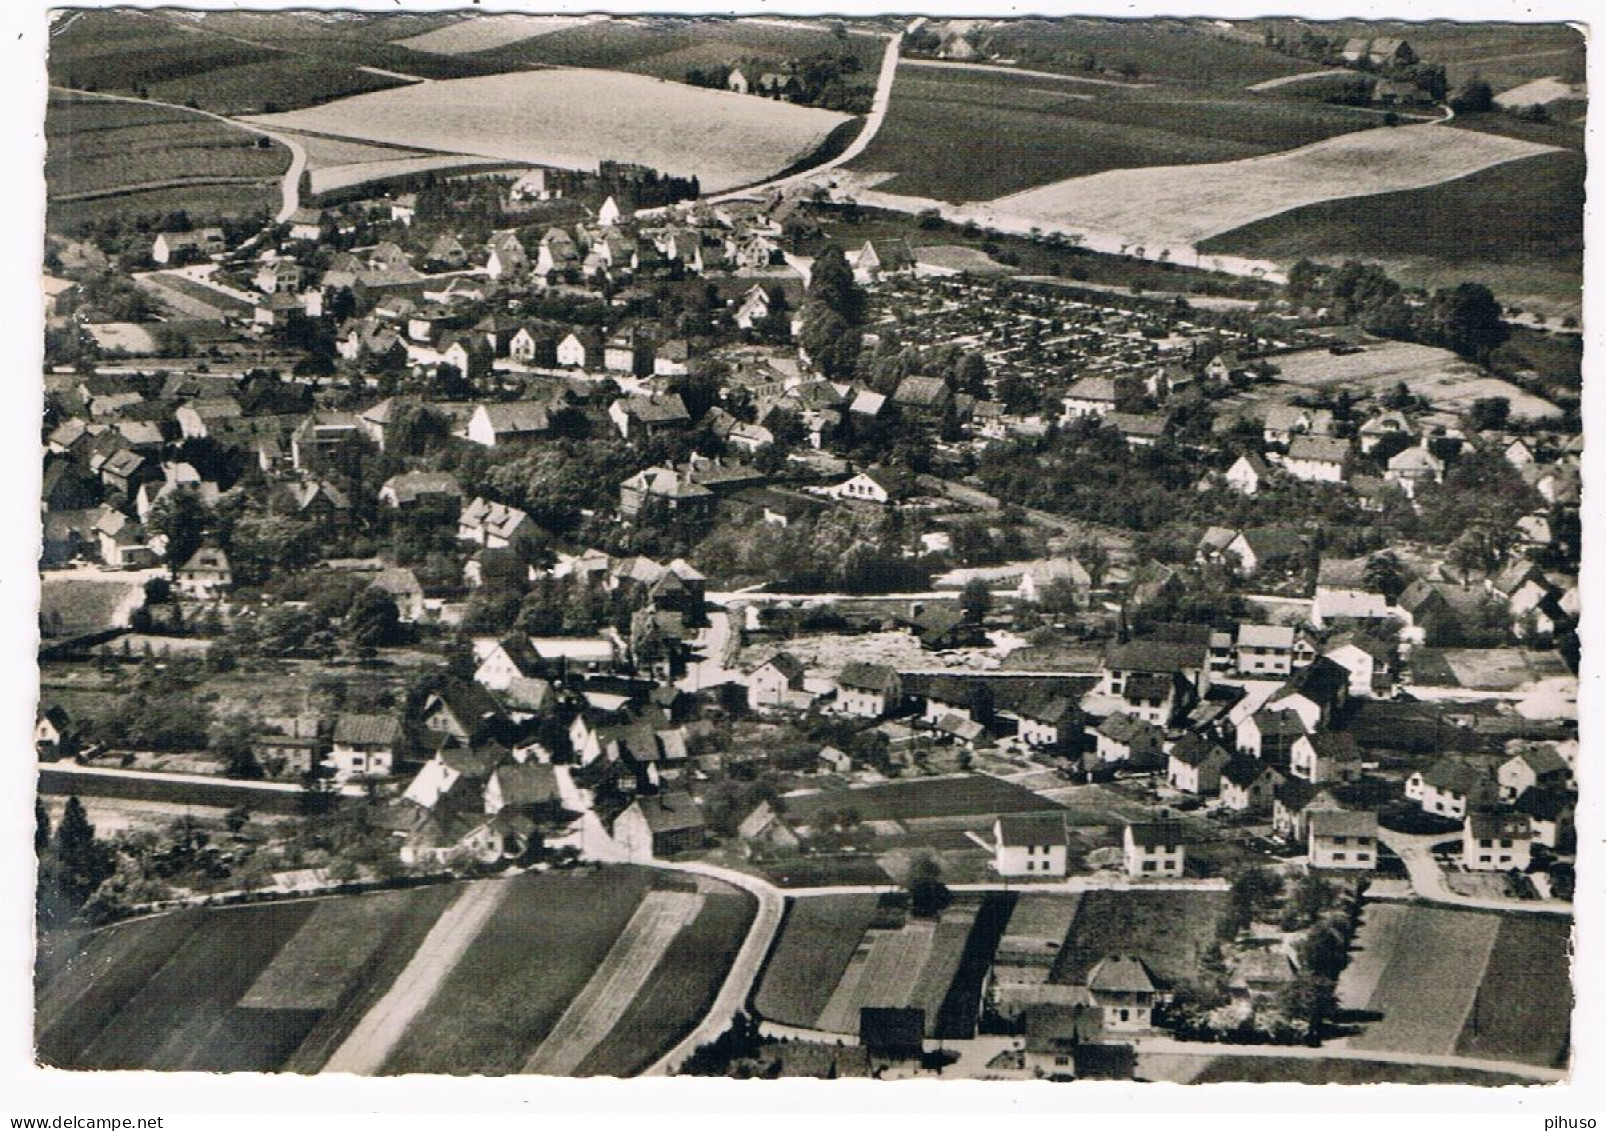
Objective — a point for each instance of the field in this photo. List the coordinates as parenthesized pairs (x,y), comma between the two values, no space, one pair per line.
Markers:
(817,939)
(1290,1070)
(257,988)
(1176,207)
(1517,227)
(665,47)
(1420,977)
(1167,929)
(270,85)
(1000,133)
(1162,51)
(1523,1005)
(335,177)
(487,32)
(839,954)
(125,49)
(574,118)
(99,149)
(901,801)
(1447,381)
(689,978)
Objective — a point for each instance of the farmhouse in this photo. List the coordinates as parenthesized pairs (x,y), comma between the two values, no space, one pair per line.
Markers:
(1048,723)
(1268,548)
(1325,757)
(1089,396)
(1195,764)
(1123,739)
(1030,844)
(1249,785)
(868,691)
(506,422)
(1452,787)
(657,827)
(1534,767)
(777,683)
(1317,459)
(206,575)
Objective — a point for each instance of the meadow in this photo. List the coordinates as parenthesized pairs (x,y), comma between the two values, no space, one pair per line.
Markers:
(487,32)
(817,939)
(574,118)
(964,135)
(1167,929)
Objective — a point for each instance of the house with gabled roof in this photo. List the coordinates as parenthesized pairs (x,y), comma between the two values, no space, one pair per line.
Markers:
(1088,396)
(364,745)
(206,576)
(465,711)
(1248,473)
(1315,693)
(1127,740)
(1194,765)
(880,258)
(868,691)
(883,485)
(1270,736)
(1030,844)
(1292,805)
(1048,722)
(1496,842)
(1154,849)
(1342,839)
(1453,787)
(1535,766)
(643,416)
(1264,650)
(777,683)
(1249,785)
(504,422)
(1327,756)
(1262,549)
(659,826)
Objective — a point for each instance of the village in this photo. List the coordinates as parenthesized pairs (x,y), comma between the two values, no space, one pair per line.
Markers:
(539,520)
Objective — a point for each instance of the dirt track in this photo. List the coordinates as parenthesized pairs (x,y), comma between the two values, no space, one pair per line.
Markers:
(364,1052)
(615,983)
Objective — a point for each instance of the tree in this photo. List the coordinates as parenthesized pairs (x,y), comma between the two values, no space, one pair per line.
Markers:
(374,620)
(41,827)
(1311,1001)
(1466,319)
(1476,96)
(183,519)
(1384,574)
(928,895)
(831,285)
(975,600)
(85,861)
(236,819)
(1490,414)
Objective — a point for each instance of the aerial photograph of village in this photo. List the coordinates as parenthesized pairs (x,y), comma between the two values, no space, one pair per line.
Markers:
(901,548)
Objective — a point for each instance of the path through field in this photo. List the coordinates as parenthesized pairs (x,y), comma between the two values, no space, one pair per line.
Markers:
(615,984)
(995,69)
(364,1052)
(1289,80)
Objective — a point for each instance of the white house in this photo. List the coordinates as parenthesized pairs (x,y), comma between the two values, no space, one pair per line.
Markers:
(1090,396)
(777,683)
(1264,650)
(1496,842)
(1030,844)
(1154,849)
(1342,839)
(1247,474)
(364,746)
(1531,767)
(1317,459)
(867,691)
(1451,787)
(1326,757)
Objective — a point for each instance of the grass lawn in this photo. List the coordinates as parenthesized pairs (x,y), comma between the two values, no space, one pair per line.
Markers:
(1292,1070)
(1519,227)
(679,991)
(818,936)
(520,973)
(944,797)
(1167,929)
(971,135)
(167,1021)
(1523,1008)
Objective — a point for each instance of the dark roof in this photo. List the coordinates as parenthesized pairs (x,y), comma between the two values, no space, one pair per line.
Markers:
(1121,973)
(1502,826)
(1322,681)
(1162,833)
(1193,749)
(367,730)
(1274,543)
(1154,656)
(867,677)
(1343,822)
(1546,804)
(892,1030)
(1019,829)
(529,783)
(1244,771)
(670,812)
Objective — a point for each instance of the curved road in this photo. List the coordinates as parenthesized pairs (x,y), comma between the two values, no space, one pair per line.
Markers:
(290,183)
(1427,879)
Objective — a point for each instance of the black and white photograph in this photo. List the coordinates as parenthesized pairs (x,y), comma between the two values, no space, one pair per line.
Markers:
(832,546)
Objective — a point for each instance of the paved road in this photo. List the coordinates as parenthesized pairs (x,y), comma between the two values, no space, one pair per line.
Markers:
(365,1051)
(872,123)
(744,971)
(1165,1045)
(289,184)
(1427,878)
